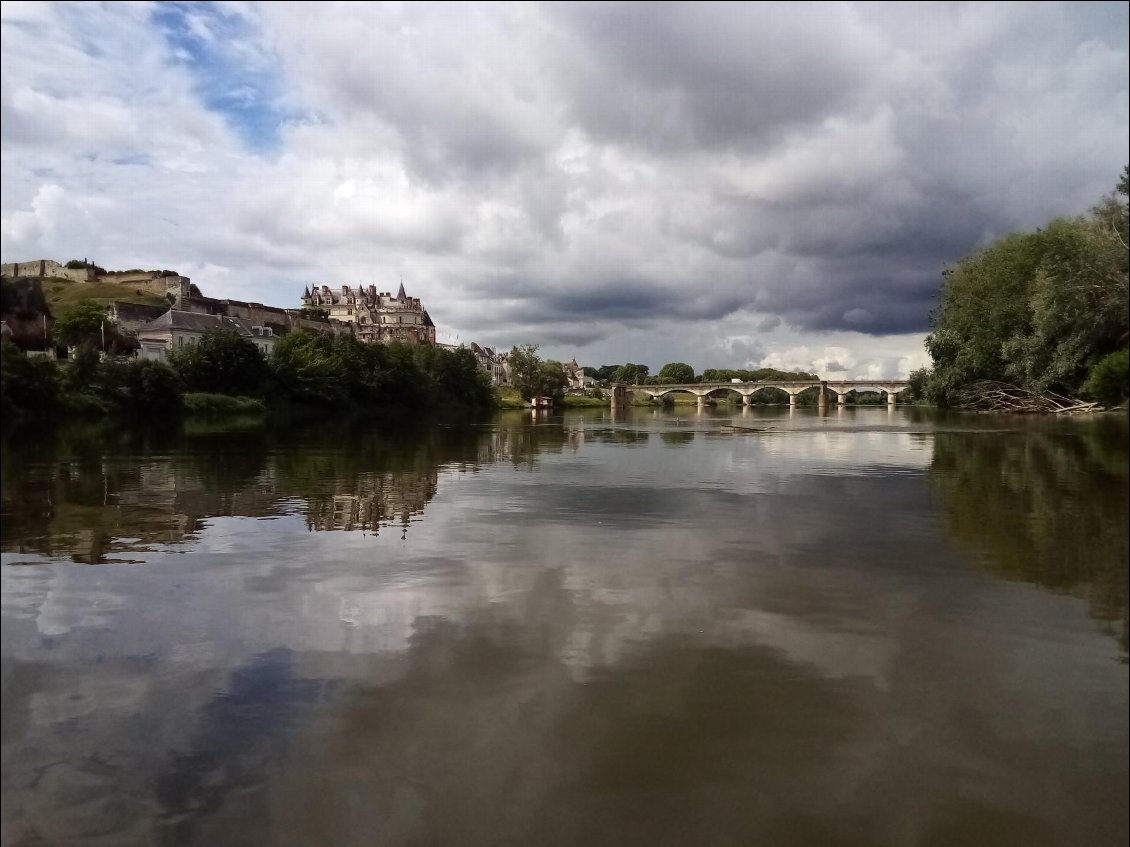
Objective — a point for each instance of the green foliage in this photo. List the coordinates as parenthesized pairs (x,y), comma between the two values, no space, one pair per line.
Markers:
(507,397)
(319,370)
(338,373)
(140,387)
(454,377)
(85,322)
(137,388)
(533,377)
(552,380)
(770,374)
(574,401)
(199,404)
(631,374)
(29,387)
(605,372)
(676,373)
(77,264)
(1038,310)
(917,391)
(1109,380)
(220,362)
(36,388)
(305,369)
(525,365)
(80,374)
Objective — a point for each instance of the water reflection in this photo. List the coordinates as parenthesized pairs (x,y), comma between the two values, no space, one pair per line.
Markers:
(1047,507)
(576,633)
(381,499)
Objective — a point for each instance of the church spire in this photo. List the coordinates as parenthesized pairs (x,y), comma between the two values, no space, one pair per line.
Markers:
(400,295)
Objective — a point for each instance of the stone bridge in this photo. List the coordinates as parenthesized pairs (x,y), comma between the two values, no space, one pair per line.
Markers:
(793,387)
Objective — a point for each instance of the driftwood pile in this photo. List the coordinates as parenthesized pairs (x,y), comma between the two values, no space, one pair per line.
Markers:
(989,396)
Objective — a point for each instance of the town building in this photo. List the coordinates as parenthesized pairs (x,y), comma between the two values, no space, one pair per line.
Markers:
(575,379)
(497,365)
(378,317)
(176,328)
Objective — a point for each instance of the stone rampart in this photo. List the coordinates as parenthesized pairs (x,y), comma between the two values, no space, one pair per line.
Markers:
(40,268)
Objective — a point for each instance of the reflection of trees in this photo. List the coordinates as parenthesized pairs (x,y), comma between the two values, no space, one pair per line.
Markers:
(516,439)
(676,439)
(82,494)
(621,435)
(72,493)
(1048,507)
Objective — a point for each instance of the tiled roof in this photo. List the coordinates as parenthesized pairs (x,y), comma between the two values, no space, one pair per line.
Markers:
(194,322)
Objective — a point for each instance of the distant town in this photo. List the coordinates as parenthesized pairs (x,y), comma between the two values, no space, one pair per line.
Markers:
(156,311)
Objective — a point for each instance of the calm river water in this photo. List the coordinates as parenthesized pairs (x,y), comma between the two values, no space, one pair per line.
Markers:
(867,627)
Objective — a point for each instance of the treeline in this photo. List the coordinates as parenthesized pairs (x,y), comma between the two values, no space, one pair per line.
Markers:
(304,370)
(680,373)
(1045,311)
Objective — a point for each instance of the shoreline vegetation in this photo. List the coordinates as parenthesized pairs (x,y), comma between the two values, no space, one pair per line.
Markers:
(225,375)
(1036,322)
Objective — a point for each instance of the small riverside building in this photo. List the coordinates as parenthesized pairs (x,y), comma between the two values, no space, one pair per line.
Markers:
(176,329)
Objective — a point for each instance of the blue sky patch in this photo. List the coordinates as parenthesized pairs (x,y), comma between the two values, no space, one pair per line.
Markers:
(234,76)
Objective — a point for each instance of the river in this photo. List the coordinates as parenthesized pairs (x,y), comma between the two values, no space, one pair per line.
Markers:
(857,627)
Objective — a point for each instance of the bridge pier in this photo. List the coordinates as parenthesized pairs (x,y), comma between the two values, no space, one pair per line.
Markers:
(841,399)
(891,399)
(701,402)
(792,401)
(747,399)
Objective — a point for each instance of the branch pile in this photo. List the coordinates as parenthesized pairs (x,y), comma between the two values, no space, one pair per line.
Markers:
(989,396)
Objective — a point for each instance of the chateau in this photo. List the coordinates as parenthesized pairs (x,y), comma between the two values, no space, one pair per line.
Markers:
(378,317)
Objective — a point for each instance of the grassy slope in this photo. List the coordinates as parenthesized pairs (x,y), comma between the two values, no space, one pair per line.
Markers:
(61,293)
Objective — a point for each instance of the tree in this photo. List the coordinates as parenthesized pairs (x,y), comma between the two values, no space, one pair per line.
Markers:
(455,377)
(1038,310)
(221,362)
(1109,380)
(85,322)
(676,372)
(28,387)
(533,377)
(525,366)
(631,374)
(551,380)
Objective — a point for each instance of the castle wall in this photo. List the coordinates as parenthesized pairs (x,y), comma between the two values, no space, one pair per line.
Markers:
(46,267)
(256,314)
(132,315)
(126,277)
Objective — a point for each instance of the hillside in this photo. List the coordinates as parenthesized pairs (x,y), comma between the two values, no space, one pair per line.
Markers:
(61,293)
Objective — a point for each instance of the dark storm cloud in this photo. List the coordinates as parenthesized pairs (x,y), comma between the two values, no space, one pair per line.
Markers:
(677,76)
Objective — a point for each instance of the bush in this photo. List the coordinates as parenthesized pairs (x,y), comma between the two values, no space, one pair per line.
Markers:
(142,387)
(201,404)
(221,362)
(1109,380)
(29,388)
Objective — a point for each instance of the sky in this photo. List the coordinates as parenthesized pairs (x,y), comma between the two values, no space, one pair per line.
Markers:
(726,185)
